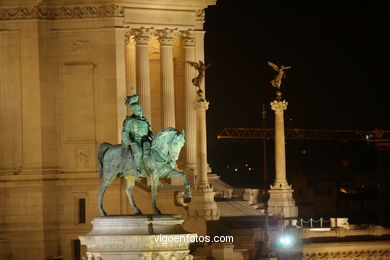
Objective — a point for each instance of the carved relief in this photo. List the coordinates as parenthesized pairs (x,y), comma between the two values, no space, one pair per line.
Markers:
(179,199)
(187,38)
(142,35)
(206,214)
(166,36)
(74,12)
(200,15)
(129,39)
(82,47)
(279,106)
(138,243)
(357,254)
(82,155)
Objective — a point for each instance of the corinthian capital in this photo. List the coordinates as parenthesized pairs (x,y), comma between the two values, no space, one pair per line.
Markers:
(187,38)
(166,36)
(127,37)
(142,35)
(279,106)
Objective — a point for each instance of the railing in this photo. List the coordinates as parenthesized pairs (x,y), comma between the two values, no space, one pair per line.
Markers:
(311,223)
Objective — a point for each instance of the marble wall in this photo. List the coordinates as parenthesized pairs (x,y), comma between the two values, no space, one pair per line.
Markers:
(65,69)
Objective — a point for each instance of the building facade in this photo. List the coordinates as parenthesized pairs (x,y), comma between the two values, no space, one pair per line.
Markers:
(65,69)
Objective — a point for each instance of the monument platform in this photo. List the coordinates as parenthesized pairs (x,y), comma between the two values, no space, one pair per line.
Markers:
(143,237)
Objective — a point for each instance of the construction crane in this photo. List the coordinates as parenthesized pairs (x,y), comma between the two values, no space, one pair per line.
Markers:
(375,136)
(381,138)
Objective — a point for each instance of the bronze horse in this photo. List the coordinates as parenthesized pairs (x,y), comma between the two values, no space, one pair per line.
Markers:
(157,163)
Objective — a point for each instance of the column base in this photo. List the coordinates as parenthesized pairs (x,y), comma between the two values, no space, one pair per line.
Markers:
(203,205)
(138,237)
(281,202)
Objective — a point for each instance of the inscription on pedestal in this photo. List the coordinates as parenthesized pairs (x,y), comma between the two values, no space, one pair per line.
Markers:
(138,237)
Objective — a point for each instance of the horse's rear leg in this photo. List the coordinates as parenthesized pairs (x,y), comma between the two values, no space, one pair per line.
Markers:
(130,181)
(106,182)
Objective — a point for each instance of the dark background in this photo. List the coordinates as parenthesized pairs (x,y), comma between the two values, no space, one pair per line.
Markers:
(338,80)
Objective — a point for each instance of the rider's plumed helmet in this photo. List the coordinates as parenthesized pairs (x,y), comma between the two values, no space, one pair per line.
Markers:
(129,100)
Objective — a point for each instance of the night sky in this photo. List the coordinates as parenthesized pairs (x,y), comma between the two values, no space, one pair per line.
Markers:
(338,56)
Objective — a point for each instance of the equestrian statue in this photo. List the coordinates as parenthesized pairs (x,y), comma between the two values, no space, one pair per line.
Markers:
(140,154)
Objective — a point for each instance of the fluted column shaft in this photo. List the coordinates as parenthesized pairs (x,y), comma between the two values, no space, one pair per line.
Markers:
(166,38)
(280,150)
(141,37)
(201,144)
(189,98)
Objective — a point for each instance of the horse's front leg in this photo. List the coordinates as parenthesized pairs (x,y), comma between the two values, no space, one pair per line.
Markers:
(102,189)
(175,174)
(154,193)
(130,181)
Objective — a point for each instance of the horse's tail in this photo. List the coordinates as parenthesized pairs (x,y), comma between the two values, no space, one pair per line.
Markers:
(102,150)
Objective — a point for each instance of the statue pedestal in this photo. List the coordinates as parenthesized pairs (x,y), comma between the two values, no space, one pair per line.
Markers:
(144,237)
(281,202)
(201,209)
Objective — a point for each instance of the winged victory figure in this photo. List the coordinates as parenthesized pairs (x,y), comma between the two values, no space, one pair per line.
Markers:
(277,80)
(200,67)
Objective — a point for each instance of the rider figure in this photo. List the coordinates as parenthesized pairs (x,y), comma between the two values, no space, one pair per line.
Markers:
(136,132)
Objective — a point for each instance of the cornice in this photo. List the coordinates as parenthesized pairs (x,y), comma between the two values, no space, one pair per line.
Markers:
(95,10)
(61,12)
(170,4)
(352,254)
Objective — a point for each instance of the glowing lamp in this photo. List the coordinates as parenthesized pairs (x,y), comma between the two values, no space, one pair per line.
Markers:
(285,241)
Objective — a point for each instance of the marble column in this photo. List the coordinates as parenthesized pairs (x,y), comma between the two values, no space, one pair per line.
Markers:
(199,50)
(281,202)
(188,43)
(199,55)
(280,151)
(201,145)
(166,38)
(203,205)
(130,64)
(120,58)
(142,37)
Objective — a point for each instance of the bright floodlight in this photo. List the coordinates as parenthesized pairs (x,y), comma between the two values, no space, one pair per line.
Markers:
(285,241)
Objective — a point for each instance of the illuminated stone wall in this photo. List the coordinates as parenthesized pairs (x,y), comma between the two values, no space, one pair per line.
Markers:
(64,72)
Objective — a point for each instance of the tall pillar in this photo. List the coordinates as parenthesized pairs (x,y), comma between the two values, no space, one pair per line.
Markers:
(199,55)
(120,80)
(203,205)
(166,38)
(188,43)
(199,49)
(130,64)
(281,202)
(141,37)
(202,183)
(280,151)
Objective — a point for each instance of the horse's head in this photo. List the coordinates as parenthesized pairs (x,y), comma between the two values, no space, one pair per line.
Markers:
(175,146)
(168,143)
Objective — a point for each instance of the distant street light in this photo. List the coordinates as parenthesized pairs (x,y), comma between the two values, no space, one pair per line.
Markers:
(285,241)
(287,244)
